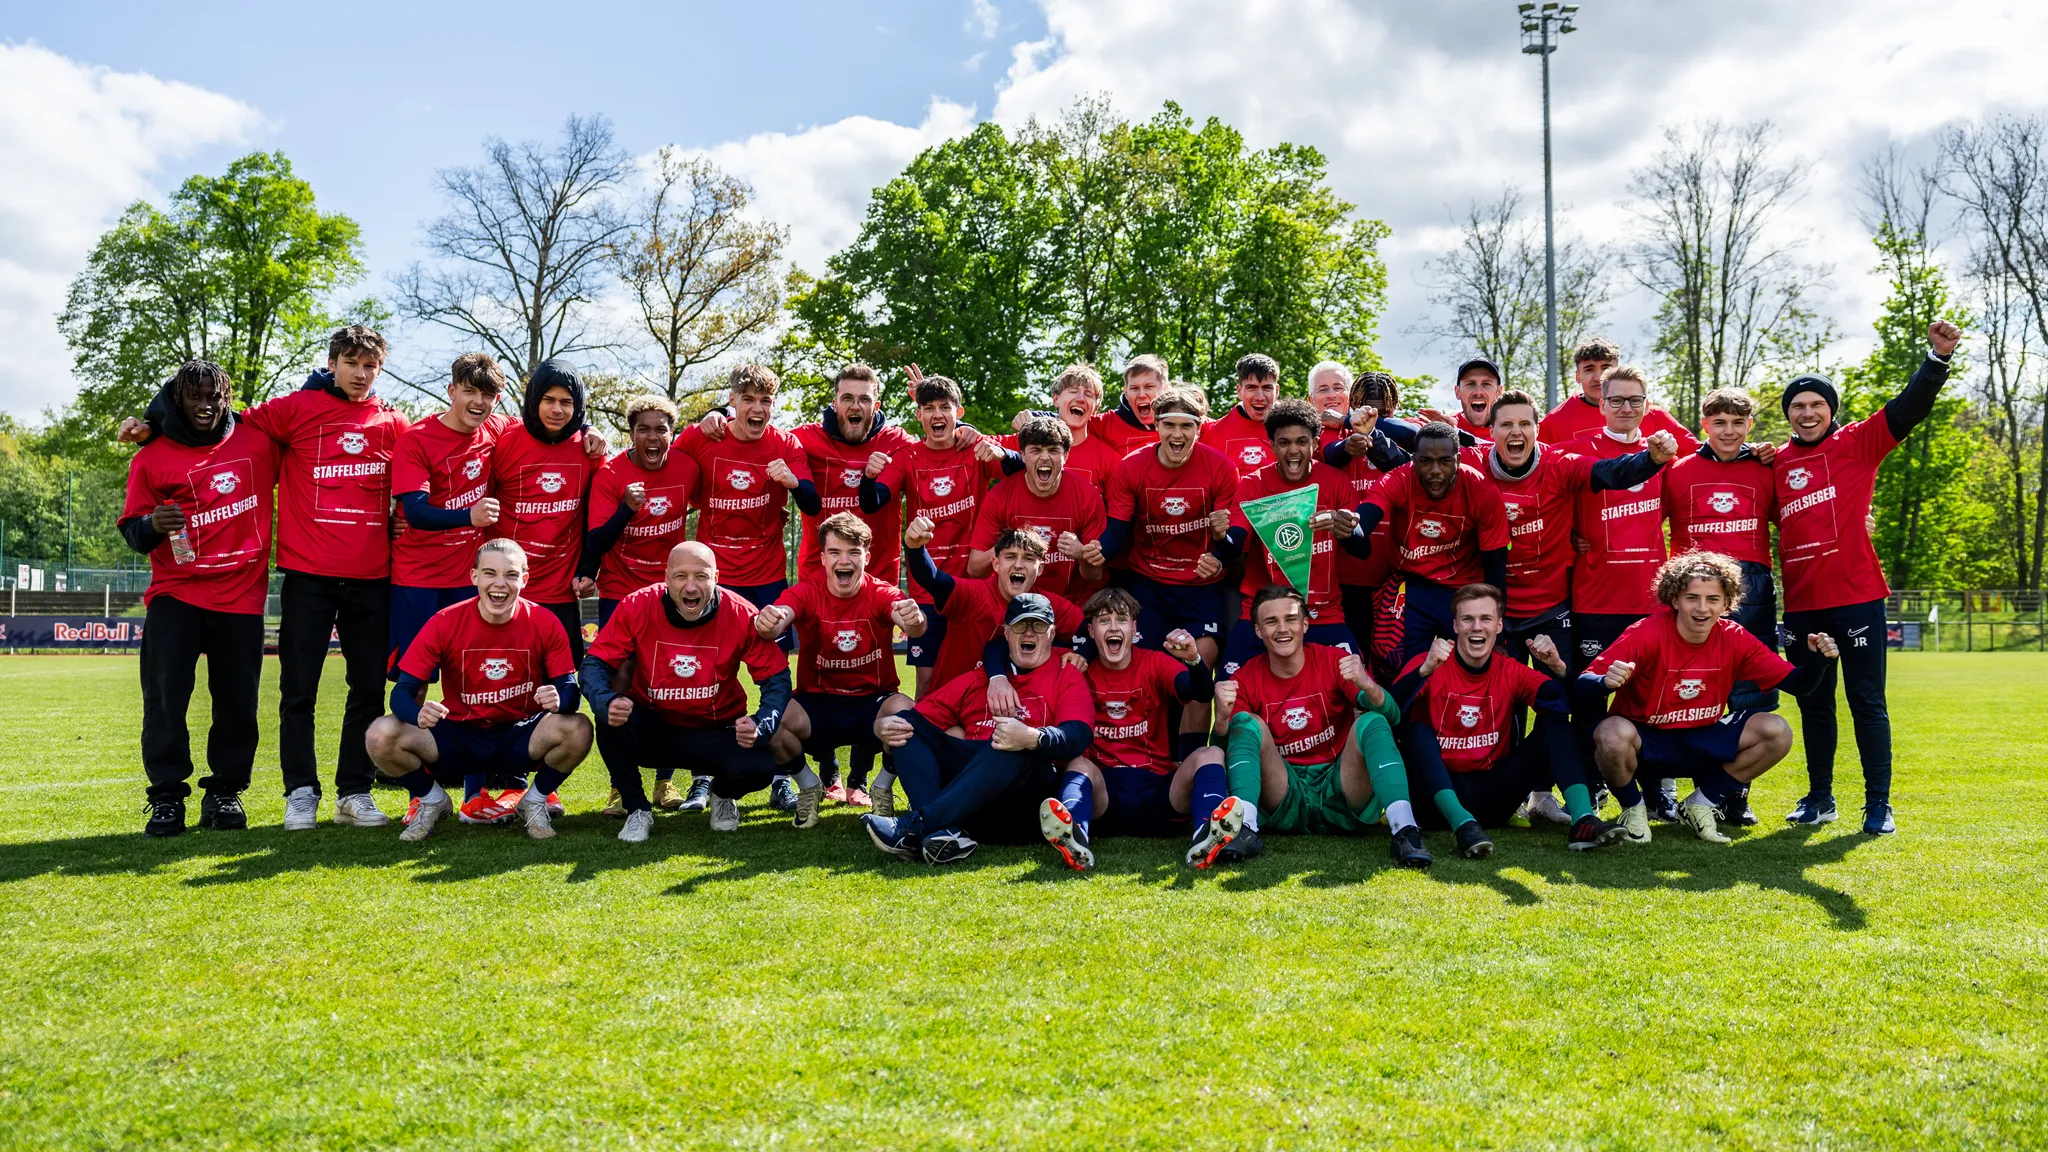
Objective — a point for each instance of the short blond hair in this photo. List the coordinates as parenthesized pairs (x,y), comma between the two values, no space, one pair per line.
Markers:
(1149,362)
(1681,570)
(1624,372)
(649,402)
(1083,375)
(503,545)
(753,379)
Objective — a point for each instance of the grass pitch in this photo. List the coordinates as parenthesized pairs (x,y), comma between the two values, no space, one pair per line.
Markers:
(339,989)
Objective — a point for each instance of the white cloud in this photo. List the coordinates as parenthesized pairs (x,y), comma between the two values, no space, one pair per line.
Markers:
(80,144)
(984,19)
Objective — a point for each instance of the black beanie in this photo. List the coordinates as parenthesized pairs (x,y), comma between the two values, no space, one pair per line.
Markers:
(1811,382)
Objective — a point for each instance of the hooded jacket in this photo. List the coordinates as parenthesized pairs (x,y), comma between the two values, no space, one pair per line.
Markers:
(166,419)
(551,374)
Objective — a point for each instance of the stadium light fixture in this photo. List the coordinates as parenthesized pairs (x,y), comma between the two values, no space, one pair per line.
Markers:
(1541,26)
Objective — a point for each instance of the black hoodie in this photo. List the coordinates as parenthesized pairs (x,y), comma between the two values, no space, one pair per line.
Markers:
(550,374)
(167,419)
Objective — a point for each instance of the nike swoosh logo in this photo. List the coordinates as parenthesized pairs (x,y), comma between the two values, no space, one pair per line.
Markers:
(1859,631)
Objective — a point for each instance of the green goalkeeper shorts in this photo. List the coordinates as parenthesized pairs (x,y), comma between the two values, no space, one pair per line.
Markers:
(1315,805)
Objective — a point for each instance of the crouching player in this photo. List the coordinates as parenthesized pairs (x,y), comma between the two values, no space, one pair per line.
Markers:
(508,700)
(1295,758)
(1672,673)
(970,774)
(1463,701)
(683,707)
(1128,784)
(845,624)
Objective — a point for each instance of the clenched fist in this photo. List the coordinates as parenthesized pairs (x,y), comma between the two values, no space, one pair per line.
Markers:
(876,462)
(484,512)
(771,621)
(635,496)
(1219,522)
(619,711)
(906,614)
(1180,644)
(918,532)
(1226,699)
(1618,674)
(1663,446)
(1351,667)
(779,471)
(1944,336)
(548,698)
(1439,651)
(1823,643)
(432,712)
(1013,735)
(1208,567)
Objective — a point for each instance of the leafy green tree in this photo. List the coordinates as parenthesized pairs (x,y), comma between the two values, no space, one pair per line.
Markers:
(236,269)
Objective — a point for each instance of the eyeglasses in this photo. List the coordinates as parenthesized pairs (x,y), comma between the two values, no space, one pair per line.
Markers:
(1031,627)
(1627,401)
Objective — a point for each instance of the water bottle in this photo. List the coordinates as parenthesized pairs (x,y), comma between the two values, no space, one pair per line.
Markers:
(181,547)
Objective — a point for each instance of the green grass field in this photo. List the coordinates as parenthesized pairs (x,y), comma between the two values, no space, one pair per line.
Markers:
(339,989)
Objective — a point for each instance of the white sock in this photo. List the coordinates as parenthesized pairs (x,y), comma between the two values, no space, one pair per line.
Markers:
(805,778)
(1399,815)
(881,782)
(778,778)
(1251,817)
(435,795)
(1669,786)
(1699,796)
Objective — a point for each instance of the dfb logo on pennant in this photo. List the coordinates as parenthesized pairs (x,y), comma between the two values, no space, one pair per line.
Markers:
(551,482)
(847,639)
(1288,536)
(353,443)
(1295,718)
(1689,688)
(1798,478)
(1722,502)
(740,479)
(942,485)
(225,482)
(657,505)
(496,668)
(683,665)
(1174,506)
(1468,715)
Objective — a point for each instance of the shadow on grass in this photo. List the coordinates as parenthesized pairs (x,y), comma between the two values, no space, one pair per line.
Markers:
(1780,859)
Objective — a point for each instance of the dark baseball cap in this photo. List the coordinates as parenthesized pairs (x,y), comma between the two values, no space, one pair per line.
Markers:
(1028,606)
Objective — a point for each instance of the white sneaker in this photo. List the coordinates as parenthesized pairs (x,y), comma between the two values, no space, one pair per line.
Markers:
(360,811)
(725,814)
(533,812)
(1635,823)
(1544,806)
(301,809)
(639,825)
(807,800)
(424,818)
(1697,813)
(882,794)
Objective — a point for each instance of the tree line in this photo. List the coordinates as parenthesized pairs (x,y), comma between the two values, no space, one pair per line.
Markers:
(1002,254)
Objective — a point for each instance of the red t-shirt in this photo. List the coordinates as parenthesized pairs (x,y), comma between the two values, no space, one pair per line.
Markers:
(1049,694)
(1539,508)
(1682,685)
(1121,435)
(540,489)
(489,672)
(743,510)
(1093,460)
(1136,712)
(845,645)
(1074,508)
(1372,571)
(640,555)
(1823,495)
(1240,440)
(225,491)
(1473,712)
(946,487)
(1720,506)
(974,614)
(1575,416)
(836,469)
(689,676)
(1440,540)
(1625,527)
(1168,510)
(1309,715)
(1480,432)
(1333,490)
(334,481)
(454,470)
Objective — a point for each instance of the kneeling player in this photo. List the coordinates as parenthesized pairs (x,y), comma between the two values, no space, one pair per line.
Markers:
(1128,783)
(683,707)
(1293,749)
(508,699)
(1671,674)
(845,624)
(1462,740)
(966,770)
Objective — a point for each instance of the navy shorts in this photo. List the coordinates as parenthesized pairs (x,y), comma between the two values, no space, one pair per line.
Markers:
(1164,607)
(1140,804)
(1690,751)
(923,651)
(411,608)
(840,722)
(761,596)
(1244,643)
(482,749)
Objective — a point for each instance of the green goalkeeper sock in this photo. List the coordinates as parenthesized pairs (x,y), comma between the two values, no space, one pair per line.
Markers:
(1383,767)
(1241,762)
(1578,802)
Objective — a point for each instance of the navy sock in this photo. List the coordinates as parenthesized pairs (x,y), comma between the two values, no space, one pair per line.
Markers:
(472,784)
(1212,785)
(1628,795)
(661,774)
(546,779)
(1185,744)
(420,782)
(1077,793)
(1716,785)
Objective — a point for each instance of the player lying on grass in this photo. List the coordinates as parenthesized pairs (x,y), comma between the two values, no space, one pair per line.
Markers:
(1671,674)
(1463,701)
(1128,784)
(845,622)
(682,706)
(971,775)
(1297,760)
(508,701)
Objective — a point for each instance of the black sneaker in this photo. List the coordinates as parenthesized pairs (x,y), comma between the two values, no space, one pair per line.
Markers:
(782,795)
(1590,832)
(699,797)
(1663,806)
(1246,846)
(1406,848)
(949,846)
(1472,841)
(222,811)
(166,818)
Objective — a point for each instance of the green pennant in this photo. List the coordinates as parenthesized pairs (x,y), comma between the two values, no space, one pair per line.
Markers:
(1281,520)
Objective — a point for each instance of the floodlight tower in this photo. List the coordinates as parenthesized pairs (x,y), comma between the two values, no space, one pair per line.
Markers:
(1542,24)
